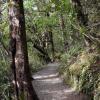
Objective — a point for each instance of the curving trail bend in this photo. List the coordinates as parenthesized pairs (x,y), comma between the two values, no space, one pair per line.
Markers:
(49,85)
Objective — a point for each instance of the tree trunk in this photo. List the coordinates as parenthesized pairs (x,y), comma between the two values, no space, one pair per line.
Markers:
(62,25)
(43,52)
(52,44)
(50,38)
(18,48)
(82,19)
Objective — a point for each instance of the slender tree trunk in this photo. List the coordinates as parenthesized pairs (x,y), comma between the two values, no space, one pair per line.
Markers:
(43,52)
(82,19)
(52,44)
(62,25)
(50,36)
(18,48)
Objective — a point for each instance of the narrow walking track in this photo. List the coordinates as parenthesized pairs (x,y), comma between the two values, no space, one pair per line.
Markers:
(49,85)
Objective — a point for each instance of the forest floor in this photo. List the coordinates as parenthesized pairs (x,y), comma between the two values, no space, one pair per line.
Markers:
(50,86)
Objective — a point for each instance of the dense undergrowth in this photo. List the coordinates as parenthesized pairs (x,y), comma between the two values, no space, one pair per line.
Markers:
(82,71)
(6,88)
(4,80)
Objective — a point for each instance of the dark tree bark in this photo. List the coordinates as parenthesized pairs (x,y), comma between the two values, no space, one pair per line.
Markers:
(50,38)
(52,44)
(18,48)
(63,27)
(82,19)
(41,45)
(43,52)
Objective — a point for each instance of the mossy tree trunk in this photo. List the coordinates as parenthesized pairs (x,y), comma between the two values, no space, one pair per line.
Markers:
(18,47)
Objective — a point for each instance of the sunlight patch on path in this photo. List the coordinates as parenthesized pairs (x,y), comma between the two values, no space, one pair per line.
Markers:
(37,77)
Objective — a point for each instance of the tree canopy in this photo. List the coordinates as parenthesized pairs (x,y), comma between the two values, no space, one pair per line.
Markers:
(36,32)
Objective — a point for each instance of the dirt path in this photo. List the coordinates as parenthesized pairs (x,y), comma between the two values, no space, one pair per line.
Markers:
(49,85)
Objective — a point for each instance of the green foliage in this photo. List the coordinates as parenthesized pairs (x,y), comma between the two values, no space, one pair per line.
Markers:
(77,65)
(36,63)
(73,51)
(83,74)
(62,5)
(97,90)
(4,80)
